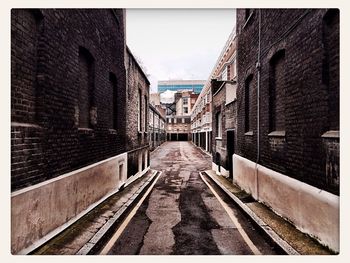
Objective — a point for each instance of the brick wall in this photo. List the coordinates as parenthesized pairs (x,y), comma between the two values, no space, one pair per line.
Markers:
(311,104)
(137,88)
(228,122)
(156,132)
(46,138)
(136,80)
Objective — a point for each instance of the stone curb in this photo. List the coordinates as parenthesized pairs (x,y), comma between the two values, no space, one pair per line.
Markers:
(288,249)
(95,243)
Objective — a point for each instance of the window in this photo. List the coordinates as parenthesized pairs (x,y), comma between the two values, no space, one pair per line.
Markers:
(139,112)
(146,107)
(25,34)
(185,109)
(112,111)
(277,92)
(330,70)
(185,101)
(218,124)
(230,90)
(247,102)
(183,120)
(86,86)
(224,74)
(232,70)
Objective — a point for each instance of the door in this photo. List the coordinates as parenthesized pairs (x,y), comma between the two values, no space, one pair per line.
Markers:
(230,149)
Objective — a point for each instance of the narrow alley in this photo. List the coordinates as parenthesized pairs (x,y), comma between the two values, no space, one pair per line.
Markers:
(182,216)
(165,131)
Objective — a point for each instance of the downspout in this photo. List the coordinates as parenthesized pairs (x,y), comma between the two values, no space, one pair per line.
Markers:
(258,67)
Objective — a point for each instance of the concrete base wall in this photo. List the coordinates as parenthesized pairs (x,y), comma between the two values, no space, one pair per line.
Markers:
(40,211)
(312,210)
(222,172)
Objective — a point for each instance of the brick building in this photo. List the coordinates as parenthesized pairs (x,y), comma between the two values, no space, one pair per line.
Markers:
(201,119)
(224,108)
(178,126)
(202,125)
(137,141)
(157,122)
(287,152)
(69,135)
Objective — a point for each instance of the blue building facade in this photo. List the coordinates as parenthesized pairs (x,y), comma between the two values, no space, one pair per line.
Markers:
(175,85)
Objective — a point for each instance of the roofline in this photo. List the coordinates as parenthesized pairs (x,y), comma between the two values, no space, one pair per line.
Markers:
(230,39)
(156,110)
(138,65)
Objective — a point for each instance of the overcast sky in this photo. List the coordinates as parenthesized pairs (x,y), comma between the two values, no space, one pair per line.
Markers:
(178,43)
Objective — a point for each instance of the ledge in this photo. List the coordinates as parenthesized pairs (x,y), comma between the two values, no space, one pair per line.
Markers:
(85,130)
(218,138)
(250,133)
(331,134)
(232,101)
(277,134)
(27,125)
(112,131)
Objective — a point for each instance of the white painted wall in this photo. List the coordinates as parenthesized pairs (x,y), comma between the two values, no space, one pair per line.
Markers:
(312,210)
(40,211)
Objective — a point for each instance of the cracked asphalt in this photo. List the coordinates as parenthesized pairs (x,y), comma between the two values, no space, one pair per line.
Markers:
(182,216)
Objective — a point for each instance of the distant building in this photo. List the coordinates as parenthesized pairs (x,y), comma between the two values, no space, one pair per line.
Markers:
(157,122)
(224,108)
(201,128)
(202,112)
(175,85)
(287,153)
(178,125)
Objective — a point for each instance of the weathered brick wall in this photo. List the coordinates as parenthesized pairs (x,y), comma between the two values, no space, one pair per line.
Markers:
(156,132)
(228,121)
(46,140)
(136,80)
(135,138)
(311,105)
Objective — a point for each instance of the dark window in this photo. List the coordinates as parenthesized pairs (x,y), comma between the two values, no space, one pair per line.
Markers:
(113,100)
(247,101)
(25,32)
(139,110)
(146,107)
(86,85)
(330,72)
(218,124)
(277,92)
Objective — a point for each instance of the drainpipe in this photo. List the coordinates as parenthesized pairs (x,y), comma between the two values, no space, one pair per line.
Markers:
(258,67)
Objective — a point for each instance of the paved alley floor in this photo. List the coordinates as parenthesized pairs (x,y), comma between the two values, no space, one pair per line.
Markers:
(183,216)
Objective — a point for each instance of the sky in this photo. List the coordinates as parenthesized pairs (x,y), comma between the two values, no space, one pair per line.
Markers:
(178,43)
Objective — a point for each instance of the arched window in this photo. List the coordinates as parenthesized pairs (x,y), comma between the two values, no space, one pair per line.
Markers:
(277,92)
(86,86)
(113,109)
(330,72)
(25,32)
(248,92)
